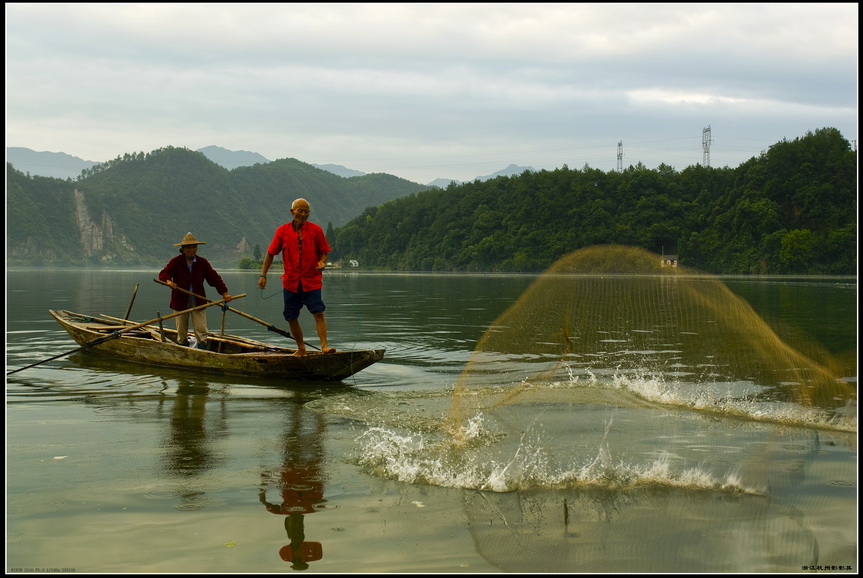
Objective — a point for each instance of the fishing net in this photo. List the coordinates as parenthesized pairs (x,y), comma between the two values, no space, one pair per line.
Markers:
(613,315)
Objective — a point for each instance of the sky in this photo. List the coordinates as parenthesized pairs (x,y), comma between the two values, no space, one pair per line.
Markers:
(429,91)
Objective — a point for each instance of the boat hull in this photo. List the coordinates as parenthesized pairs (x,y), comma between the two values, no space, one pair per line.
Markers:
(232,355)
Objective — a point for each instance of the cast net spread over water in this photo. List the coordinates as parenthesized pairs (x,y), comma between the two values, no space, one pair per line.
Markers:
(612,316)
(611,371)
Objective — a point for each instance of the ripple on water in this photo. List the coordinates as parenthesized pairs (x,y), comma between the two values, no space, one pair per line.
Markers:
(119,410)
(190,498)
(37,501)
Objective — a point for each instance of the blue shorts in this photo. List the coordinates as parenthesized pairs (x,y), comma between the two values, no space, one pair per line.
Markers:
(295,301)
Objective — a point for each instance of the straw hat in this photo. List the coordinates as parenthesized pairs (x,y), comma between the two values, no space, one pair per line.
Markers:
(189,239)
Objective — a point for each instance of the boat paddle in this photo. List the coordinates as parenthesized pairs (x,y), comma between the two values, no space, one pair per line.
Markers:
(129,308)
(269,326)
(116,334)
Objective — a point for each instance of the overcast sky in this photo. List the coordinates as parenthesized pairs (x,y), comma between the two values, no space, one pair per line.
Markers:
(426,91)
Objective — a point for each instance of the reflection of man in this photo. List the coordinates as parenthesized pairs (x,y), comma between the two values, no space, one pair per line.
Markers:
(301,484)
(299,552)
(301,489)
(187,445)
(188,451)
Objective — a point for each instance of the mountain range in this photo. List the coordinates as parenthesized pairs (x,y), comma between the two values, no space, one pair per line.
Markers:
(64,166)
(122,211)
(790,210)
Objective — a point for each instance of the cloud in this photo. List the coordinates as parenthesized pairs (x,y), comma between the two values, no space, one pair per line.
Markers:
(425,91)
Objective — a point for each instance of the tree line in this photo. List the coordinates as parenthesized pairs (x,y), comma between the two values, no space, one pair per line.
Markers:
(790,210)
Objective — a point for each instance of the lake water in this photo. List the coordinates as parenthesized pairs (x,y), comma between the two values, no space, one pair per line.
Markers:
(615,434)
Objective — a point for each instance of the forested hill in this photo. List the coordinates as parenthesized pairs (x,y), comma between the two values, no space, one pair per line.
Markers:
(130,211)
(790,210)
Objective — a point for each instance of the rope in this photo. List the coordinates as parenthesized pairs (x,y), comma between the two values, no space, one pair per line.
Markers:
(279,292)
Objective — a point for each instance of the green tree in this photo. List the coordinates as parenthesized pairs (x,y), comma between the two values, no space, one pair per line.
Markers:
(797,250)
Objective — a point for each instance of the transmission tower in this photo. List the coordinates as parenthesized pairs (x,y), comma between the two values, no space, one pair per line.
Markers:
(705,143)
(620,156)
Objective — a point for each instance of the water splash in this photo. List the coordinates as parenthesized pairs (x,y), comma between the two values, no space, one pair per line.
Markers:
(610,372)
(485,460)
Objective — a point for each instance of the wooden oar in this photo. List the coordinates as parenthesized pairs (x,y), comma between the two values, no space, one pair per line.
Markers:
(269,326)
(129,308)
(126,321)
(116,334)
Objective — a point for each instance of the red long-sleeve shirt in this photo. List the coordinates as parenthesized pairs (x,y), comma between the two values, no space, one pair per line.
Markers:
(300,261)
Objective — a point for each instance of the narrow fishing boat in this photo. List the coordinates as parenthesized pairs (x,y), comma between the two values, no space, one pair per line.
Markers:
(151,344)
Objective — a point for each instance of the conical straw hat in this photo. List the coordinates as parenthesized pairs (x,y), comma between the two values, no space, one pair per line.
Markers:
(189,239)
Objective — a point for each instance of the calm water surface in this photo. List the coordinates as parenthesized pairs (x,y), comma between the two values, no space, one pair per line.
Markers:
(124,469)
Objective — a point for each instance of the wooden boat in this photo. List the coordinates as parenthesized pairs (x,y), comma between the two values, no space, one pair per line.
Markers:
(151,344)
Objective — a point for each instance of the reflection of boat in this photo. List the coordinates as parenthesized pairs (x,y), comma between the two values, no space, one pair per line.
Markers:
(231,354)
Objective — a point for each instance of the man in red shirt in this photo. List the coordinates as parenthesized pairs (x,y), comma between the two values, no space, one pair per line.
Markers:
(304,250)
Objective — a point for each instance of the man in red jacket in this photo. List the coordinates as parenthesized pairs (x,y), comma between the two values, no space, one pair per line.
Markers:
(189,271)
(304,250)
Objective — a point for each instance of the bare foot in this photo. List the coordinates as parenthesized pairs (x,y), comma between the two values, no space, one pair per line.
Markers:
(328,350)
(299,353)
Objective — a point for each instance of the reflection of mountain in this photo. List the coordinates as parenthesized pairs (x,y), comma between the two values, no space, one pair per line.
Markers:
(300,482)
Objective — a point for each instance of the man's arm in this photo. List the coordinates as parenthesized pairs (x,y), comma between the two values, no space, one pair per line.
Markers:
(268,260)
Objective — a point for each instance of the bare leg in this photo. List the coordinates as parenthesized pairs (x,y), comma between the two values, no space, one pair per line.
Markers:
(297,332)
(321,327)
